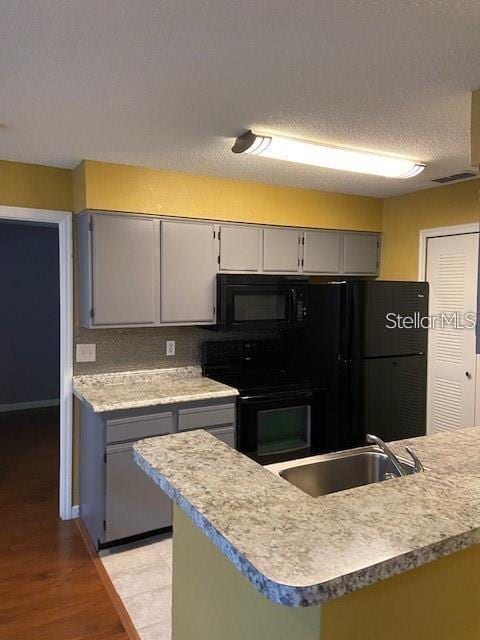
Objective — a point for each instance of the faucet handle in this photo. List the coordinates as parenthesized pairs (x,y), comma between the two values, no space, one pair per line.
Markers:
(416,459)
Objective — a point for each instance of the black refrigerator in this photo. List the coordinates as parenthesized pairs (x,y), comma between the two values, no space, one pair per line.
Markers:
(373,366)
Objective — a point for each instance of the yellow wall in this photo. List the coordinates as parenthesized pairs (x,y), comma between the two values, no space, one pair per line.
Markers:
(475,132)
(404,217)
(35,186)
(79,186)
(116,187)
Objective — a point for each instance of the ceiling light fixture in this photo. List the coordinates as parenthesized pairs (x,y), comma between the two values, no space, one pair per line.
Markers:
(320,155)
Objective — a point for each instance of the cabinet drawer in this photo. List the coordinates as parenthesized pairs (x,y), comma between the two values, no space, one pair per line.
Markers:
(137,427)
(225,434)
(204,417)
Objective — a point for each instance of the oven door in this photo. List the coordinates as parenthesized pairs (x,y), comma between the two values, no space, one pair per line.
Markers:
(257,306)
(275,427)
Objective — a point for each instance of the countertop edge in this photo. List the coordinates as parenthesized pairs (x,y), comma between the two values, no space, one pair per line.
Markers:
(158,402)
(277,593)
(316,594)
(131,404)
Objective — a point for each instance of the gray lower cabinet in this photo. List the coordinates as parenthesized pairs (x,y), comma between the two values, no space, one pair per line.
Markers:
(134,503)
(117,499)
(225,434)
(188,272)
(206,417)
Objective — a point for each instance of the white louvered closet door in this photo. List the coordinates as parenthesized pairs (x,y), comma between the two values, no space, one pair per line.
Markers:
(452,265)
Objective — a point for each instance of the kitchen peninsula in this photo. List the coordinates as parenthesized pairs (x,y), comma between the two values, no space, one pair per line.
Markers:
(256,557)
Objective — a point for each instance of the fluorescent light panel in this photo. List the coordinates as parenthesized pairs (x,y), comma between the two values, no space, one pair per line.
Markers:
(318,155)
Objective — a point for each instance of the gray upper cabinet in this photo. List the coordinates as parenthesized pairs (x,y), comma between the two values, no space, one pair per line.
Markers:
(281,250)
(188,272)
(123,270)
(239,248)
(139,271)
(322,252)
(361,253)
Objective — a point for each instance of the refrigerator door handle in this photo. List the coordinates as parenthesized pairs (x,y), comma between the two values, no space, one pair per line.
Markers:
(352,330)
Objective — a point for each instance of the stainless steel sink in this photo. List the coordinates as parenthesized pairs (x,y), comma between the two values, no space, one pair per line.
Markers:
(333,472)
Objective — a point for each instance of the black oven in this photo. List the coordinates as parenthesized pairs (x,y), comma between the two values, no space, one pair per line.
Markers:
(256,302)
(280,426)
(281,412)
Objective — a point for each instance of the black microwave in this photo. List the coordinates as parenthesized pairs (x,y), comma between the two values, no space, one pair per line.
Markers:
(261,302)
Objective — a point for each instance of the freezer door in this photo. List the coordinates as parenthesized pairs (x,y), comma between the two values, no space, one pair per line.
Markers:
(374,307)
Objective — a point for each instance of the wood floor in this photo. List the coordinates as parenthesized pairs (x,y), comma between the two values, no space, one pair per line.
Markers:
(49,587)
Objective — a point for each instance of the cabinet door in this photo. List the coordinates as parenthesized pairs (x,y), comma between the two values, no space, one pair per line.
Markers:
(134,503)
(225,434)
(239,248)
(124,274)
(187,272)
(321,252)
(360,253)
(281,250)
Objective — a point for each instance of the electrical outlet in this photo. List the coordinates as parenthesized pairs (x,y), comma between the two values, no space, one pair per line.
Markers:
(170,350)
(86,352)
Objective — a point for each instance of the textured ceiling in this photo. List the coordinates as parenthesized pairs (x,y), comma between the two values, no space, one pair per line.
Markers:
(167,84)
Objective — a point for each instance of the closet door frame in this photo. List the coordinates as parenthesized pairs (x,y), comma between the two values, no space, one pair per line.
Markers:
(436,232)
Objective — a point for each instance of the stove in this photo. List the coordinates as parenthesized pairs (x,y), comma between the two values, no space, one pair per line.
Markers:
(279,410)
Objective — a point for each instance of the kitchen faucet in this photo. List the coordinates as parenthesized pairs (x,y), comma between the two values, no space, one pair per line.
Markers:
(418,466)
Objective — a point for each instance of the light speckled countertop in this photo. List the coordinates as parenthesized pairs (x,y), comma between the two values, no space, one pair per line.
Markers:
(302,551)
(134,389)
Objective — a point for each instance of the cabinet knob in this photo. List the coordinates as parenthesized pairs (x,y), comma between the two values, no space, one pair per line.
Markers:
(468,374)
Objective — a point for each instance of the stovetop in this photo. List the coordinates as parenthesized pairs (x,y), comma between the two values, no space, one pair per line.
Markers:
(253,366)
(262,381)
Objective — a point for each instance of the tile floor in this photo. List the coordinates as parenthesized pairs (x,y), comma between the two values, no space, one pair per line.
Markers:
(141,573)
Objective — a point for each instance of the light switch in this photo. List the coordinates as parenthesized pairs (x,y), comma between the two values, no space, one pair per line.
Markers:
(170,350)
(86,352)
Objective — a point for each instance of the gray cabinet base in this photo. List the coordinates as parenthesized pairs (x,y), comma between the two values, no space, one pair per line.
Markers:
(117,499)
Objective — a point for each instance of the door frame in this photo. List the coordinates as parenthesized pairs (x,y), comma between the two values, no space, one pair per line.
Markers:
(63,220)
(438,232)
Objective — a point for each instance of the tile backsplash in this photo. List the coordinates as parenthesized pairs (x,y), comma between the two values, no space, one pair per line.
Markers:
(130,349)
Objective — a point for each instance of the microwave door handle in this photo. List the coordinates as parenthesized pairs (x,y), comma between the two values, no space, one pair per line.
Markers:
(293,298)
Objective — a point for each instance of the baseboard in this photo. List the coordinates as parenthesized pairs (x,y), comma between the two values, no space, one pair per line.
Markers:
(34,404)
(75,511)
(118,605)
